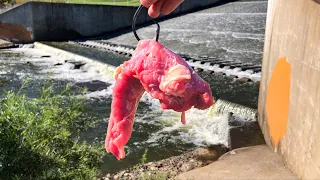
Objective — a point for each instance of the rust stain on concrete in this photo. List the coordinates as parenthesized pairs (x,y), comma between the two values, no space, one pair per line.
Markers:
(14,32)
(277,105)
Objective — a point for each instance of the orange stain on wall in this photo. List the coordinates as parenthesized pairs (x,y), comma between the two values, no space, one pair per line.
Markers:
(277,105)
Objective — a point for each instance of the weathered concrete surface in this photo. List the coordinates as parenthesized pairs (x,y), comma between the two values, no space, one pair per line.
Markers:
(292,32)
(256,162)
(5,44)
(58,21)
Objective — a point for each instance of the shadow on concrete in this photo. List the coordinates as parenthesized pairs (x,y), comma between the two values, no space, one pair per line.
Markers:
(245,134)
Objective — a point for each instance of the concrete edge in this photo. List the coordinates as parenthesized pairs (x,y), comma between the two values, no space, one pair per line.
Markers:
(14,6)
(250,162)
(107,69)
(235,151)
(6,44)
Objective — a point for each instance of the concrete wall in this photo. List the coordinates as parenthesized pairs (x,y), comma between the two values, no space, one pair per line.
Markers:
(56,21)
(289,101)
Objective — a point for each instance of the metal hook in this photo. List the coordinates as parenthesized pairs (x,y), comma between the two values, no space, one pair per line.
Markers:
(134,24)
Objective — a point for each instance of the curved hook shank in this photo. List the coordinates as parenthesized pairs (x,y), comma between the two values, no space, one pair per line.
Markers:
(135,20)
(158,30)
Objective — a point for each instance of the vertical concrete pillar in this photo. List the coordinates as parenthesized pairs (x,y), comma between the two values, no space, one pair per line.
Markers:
(289,100)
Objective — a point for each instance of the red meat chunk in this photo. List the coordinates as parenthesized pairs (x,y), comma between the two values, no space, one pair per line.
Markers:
(165,76)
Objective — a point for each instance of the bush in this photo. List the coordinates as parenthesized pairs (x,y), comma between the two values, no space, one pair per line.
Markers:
(38,137)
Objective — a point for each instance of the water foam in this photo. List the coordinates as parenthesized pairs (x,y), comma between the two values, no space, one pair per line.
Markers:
(241,112)
(86,73)
(200,130)
(253,36)
(229,72)
(105,93)
(240,51)
(58,68)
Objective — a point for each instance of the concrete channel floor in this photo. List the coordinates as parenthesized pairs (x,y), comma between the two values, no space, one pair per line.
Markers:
(255,162)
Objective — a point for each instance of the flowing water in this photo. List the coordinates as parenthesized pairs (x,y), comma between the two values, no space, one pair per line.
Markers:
(159,131)
(233,32)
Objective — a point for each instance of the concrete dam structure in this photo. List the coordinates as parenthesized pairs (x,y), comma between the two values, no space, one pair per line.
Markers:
(41,21)
(289,108)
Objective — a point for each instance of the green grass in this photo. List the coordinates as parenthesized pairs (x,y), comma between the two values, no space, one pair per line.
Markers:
(104,2)
(144,157)
(39,137)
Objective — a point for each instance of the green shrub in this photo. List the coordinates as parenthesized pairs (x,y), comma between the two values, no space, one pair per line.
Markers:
(38,137)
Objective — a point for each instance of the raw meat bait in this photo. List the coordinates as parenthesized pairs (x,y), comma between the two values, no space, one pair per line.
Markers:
(165,76)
